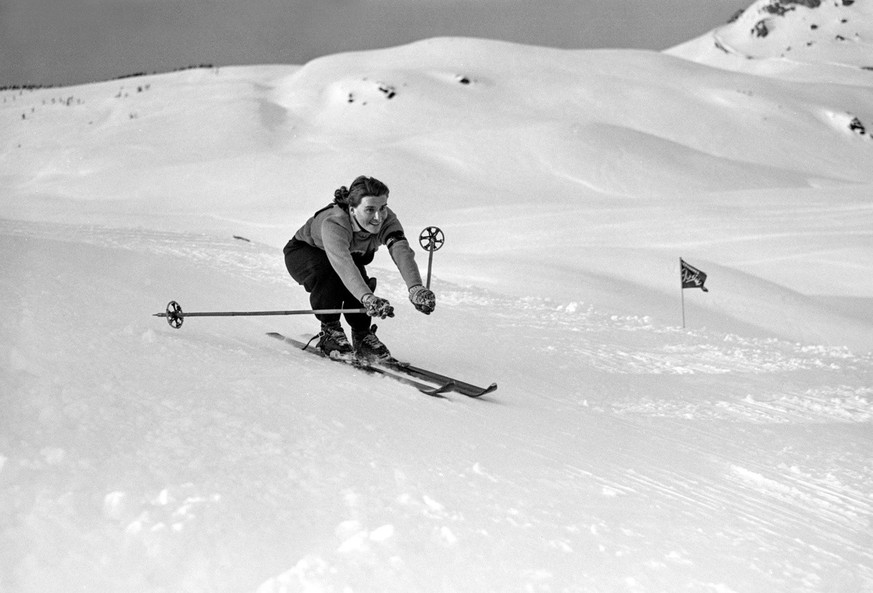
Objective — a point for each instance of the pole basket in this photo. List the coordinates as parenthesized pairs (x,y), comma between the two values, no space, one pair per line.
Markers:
(174,314)
(431,238)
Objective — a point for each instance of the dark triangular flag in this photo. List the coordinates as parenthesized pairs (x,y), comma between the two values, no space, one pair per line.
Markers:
(692,277)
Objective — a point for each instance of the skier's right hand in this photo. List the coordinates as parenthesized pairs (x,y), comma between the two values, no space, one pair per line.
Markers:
(377,306)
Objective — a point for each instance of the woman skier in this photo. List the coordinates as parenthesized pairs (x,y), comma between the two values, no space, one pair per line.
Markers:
(328,256)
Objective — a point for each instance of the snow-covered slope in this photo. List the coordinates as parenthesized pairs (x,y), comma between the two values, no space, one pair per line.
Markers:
(619,454)
(622,452)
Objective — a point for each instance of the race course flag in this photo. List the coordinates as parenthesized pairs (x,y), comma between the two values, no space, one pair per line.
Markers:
(690,277)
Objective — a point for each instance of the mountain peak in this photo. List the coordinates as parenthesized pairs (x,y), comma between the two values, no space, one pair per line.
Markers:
(807,31)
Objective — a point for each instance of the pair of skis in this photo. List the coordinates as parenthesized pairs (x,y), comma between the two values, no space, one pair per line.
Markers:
(425,381)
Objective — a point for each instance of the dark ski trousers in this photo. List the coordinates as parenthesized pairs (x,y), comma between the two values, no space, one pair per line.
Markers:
(310,267)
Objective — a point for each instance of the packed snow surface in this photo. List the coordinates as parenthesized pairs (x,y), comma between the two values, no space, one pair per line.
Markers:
(622,451)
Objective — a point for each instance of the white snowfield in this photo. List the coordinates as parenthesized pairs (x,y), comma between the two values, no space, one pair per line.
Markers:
(621,452)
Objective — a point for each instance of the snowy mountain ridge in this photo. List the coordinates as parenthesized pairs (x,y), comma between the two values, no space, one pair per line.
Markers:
(833,32)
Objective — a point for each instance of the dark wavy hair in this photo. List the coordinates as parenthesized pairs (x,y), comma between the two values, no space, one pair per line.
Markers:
(360,188)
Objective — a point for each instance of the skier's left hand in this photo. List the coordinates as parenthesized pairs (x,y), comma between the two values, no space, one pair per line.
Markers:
(423,298)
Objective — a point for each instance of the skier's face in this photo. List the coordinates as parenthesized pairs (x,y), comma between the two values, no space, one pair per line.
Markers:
(371,212)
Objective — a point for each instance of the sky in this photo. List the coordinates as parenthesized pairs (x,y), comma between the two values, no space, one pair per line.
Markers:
(64,42)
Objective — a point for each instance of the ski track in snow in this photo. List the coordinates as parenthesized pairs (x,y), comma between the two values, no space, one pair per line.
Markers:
(580,378)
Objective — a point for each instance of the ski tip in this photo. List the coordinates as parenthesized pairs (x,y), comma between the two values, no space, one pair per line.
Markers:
(490,389)
(439,390)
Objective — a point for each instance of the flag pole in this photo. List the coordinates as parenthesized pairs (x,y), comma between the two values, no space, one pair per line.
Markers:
(682,292)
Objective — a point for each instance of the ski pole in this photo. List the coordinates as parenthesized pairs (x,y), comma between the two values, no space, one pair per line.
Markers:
(431,239)
(175,316)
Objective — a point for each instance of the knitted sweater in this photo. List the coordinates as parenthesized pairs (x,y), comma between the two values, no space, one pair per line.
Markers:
(332,230)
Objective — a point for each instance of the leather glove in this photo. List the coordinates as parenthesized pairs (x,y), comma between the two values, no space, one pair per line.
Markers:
(423,298)
(377,307)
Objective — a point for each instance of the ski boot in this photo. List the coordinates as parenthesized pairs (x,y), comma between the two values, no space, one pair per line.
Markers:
(333,342)
(368,347)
